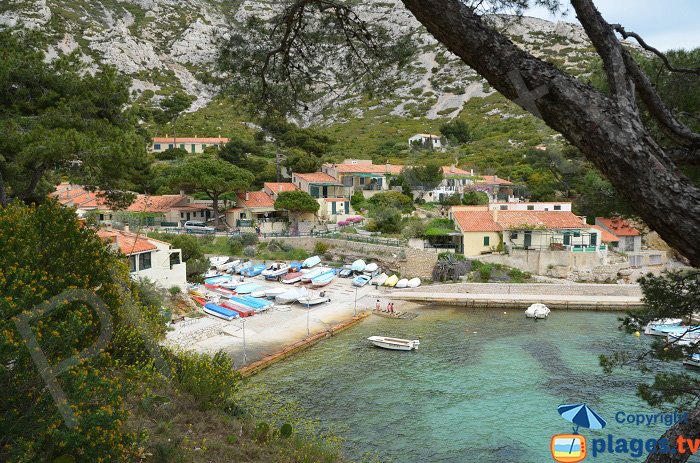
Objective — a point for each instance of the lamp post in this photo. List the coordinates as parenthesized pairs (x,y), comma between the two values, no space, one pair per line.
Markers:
(355,311)
(245,354)
(307,317)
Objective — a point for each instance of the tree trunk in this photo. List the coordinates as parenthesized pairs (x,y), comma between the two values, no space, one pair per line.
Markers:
(215,206)
(608,132)
(3,192)
(687,430)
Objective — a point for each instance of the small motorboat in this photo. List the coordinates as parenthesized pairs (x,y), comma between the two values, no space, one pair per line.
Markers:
(391,281)
(292,277)
(358,266)
(260,291)
(295,266)
(291,296)
(678,331)
(275,271)
(394,343)
(371,267)
(312,300)
(218,280)
(247,288)
(311,262)
(226,267)
(212,273)
(220,290)
(274,292)
(345,273)
(323,279)
(243,310)
(219,311)
(361,280)
(233,283)
(311,274)
(254,302)
(402,283)
(651,328)
(692,360)
(254,271)
(218,260)
(242,266)
(537,310)
(414,282)
(380,279)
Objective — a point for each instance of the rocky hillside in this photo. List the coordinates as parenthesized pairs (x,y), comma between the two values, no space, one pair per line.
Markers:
(164,44)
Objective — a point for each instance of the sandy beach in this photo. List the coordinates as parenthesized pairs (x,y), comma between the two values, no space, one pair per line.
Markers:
(271,331)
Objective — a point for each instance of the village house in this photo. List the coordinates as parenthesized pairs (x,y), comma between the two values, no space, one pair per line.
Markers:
(82,200)
(629,238)
(425,140)
(332,196)
(532,206)
(191,145)
(485,230)
(362,175)
(148,258)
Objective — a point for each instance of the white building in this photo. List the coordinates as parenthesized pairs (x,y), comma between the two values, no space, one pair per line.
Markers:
(191,145)
(527,206)
(427,140)
(148,258)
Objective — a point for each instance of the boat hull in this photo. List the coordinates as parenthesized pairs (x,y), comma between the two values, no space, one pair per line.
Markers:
(394,343)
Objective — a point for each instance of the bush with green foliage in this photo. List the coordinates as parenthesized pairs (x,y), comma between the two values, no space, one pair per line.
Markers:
(320,248)
(475,198)
(171,154)
(456,131)
(358,201)
(392,199)
(413,227)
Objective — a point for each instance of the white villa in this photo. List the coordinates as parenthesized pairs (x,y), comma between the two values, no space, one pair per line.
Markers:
(191,145)
(427,140)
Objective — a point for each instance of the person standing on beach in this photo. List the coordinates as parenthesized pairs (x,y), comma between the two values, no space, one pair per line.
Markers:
(378,306)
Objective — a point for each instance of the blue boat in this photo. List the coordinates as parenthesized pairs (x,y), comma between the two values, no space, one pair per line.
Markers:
(218,280)
(669,329)
(311,261)
(323,279)
(295,266)
(358,266)
(361,280)
(253,302)
(247,288)
(254,271)
(221,312)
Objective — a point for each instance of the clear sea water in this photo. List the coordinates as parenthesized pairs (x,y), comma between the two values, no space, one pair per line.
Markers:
(484,386)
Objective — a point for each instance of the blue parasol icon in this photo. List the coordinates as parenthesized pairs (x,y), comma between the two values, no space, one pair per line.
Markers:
(581,415)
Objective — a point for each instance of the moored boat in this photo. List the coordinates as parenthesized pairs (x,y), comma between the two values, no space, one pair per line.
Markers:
(360,280)
(692,360)
(654,327)
(394,343)
(537,311)
(311,262)
(292,277)
(391,281)
(414,282)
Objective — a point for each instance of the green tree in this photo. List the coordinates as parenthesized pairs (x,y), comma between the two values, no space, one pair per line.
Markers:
(56,119)
(296,203)
(212,176)
(394,200)
(456,131)
(427,176)
(473,198)
(674,295)
(172,107)
(302,162)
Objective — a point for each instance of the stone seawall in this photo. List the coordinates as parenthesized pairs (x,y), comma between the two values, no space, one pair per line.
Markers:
(403,260)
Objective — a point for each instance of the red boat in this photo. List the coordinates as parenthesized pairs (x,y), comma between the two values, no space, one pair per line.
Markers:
(200,300)
(292,277)
(220,290)
(243,311)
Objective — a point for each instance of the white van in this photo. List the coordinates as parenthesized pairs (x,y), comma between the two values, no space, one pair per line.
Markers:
(198,227)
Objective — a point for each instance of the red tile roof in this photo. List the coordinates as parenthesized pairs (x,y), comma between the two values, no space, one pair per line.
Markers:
(335,200)
(451,171)
(367,168)
(255,199)
(480,220)
(316,177)
(128,243)
(189,140)
(605,236)
(78,197)
(280,187)
(618,226)
(146,203)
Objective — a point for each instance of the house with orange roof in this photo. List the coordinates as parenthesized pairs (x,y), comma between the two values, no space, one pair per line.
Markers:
(332,196)
(532,206)
(170,210)
(485,230)
(629,238)
(148,258)
(84,201)
(191,145)
(362,175)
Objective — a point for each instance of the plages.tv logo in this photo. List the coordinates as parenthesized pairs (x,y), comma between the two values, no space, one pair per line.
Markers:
(571,448)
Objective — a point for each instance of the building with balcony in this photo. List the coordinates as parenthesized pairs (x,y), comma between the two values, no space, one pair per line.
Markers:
(362,175)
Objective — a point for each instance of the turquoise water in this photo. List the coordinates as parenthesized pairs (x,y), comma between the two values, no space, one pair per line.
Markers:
(483,386)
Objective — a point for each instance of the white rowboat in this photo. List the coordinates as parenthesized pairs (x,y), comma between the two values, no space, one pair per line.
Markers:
(394,343)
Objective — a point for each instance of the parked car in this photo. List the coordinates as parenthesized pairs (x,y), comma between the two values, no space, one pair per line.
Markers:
(198,227)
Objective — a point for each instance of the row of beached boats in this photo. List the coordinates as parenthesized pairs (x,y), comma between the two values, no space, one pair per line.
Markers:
(394,281)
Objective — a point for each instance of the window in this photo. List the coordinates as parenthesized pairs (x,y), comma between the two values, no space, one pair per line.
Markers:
(530,208)
(145,261)
(182,215)
(174,259)
(514,235)
(182,146)
(486,240)
(193,148)
(171,146)
(557,207)
(132,263)
(504,207)
(156,147)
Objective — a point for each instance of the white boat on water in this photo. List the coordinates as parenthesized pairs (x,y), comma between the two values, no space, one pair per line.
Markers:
(537,310)
(394,343)
(414,282)
(654,327)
